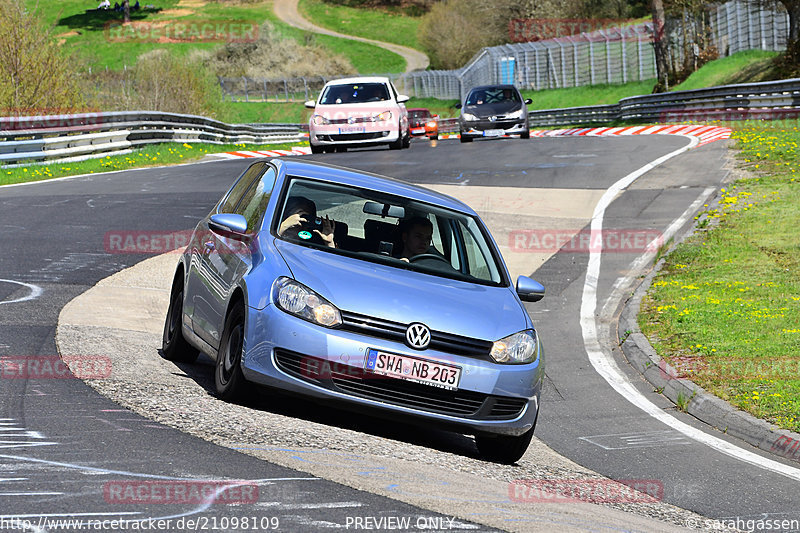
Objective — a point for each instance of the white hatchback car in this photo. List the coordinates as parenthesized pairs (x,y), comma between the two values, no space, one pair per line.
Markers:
(355,112)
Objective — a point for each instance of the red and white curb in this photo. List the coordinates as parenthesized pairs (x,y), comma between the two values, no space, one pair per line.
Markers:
(706,134)
(302,150)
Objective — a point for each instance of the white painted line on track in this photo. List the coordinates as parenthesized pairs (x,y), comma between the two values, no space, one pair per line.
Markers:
(35,292)
(603,361)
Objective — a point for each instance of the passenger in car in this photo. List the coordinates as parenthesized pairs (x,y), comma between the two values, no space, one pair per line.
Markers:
(416,234)
(301,223)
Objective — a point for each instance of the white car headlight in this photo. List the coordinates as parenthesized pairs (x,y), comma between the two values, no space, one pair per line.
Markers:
(386,115)
(469,116)
(297,299)
(517,348)
(319,120)
(515,114)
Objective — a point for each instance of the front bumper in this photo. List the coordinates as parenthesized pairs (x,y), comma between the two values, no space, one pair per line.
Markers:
(288,353)
(482,127)
(367,134)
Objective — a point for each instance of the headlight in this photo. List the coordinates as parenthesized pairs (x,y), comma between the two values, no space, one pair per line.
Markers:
(319,120)
(299,300)
(469,116)
(517,348)
(515,114)
(431,124)
(386,115)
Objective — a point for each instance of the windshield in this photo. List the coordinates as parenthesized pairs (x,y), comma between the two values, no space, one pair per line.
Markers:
(396,231)
(354,93)
(492,96)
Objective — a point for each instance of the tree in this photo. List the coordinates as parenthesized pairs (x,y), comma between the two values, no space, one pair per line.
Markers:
(660,47)
(35,76)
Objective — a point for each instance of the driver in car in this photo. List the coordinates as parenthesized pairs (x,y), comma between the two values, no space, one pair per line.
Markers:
(302,223)
(416,236)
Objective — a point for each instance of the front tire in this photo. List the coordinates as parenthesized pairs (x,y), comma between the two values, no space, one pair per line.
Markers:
(316,149)
(525,134)
(228,376)
(174,346)
(465,139)
(505,449)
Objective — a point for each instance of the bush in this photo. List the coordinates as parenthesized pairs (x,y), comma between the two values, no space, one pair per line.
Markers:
(159,82)
(35,76)
(455,30)
(275,56)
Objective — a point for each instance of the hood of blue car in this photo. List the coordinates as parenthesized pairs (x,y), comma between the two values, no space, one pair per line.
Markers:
(405,296)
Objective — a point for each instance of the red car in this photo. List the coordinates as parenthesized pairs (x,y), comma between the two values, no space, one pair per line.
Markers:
(422,122)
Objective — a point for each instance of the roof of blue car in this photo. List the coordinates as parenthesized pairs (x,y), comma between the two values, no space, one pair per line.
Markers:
(367,180)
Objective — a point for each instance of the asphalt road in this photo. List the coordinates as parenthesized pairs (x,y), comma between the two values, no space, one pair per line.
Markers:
(60,439)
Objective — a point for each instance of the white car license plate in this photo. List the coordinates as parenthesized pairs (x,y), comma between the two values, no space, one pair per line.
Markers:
(493,133)
(413,369)
(417,131)
(352,129)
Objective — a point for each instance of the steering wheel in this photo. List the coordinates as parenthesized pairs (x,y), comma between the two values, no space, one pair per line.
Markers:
(427,256)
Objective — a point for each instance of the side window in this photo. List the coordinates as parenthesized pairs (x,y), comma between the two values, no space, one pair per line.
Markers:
(478,258)
(255,200)
(242,185)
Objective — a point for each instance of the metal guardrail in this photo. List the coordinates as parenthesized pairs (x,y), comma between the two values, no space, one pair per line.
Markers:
(749,101)
(61,138)
(25,140)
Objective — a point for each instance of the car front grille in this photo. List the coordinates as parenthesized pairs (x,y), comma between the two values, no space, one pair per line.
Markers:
(395,331)
(357,382)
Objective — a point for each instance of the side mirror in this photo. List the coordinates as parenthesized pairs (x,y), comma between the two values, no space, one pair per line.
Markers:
(311,104)
(529,290)
(228,225)
(458,106)
(528,101)
(402,98)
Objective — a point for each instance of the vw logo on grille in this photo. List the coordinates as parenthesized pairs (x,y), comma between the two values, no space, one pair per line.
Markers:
(418,336)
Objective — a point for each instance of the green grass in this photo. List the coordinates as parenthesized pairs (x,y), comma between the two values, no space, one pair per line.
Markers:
(154,155)
(89,37)
(366,58)
(725,310)
(749,66)
(376,24)
(586,95)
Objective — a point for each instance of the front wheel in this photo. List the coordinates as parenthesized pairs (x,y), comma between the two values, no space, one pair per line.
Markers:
(228,377)
(465,139)
(316,149)
(505,449)
(525,134)
(174,346)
